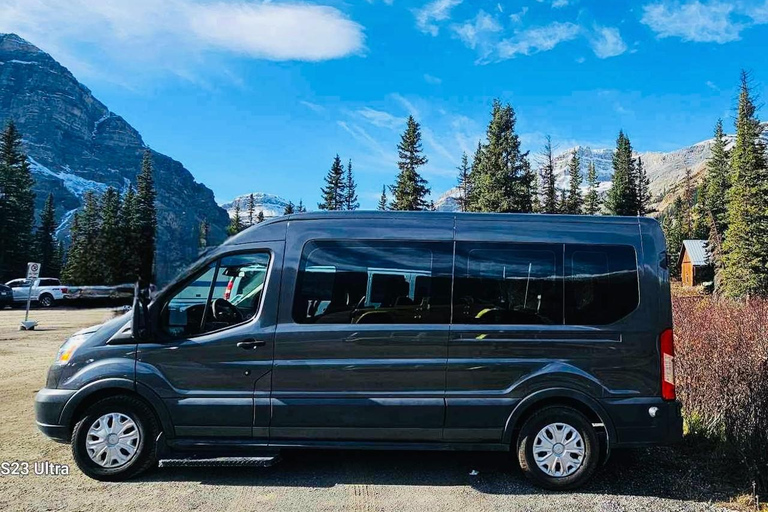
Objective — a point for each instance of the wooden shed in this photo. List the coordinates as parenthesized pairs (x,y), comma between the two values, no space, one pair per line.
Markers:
(694,262)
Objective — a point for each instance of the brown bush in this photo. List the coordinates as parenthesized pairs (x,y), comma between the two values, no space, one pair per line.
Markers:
(722,375)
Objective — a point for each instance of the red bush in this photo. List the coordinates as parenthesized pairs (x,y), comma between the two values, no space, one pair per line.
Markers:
(722,374)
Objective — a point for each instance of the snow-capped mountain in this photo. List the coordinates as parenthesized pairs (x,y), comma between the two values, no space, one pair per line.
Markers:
(270,204)
(76,144)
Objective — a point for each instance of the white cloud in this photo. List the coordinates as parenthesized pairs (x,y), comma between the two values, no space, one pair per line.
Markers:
(381,118)
(538,39)
(559,3)
(607,42)
(518,16)
(693,21)
(473,32)
(407,105)
(432,80)
(177,34)
(432,12)
(314,107)
(712,85)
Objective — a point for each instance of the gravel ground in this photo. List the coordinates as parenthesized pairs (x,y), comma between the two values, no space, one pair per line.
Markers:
(655,479)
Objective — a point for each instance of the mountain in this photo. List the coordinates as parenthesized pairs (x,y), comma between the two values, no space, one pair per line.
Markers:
(75,144)
(271,205)
(666,170)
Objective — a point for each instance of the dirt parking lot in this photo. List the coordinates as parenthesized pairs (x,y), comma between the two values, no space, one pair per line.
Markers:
(657,479)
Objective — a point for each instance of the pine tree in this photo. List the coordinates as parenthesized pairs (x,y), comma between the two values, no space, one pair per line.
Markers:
(17,205)
(73,269)
(574,200)
(260,217)
(85,264)
(716,185)
(129,230)
(562,202)
(501,179)
(622,197)
(410,189)
(289,209)
(383,199)
(146,215)
(59,260)
(110,237)
(672,224)
(745,246)
(251,209)
(45,239)
(688,203)
(236,222)
(464,183)
(535,195)
(548,180)
(333,192)
(350,190)
(202,235)
(643,189)
(300,208)
(592,199)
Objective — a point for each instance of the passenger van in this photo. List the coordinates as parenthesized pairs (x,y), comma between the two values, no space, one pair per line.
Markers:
(546,336)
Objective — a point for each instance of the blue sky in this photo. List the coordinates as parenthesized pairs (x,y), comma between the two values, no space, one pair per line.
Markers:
(259,96)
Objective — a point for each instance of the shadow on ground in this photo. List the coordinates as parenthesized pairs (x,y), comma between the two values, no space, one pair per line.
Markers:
(655,472)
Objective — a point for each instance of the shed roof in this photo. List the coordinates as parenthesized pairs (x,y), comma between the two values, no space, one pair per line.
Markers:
(697,251)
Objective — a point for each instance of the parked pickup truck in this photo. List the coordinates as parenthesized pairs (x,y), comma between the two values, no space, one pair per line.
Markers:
(45,290)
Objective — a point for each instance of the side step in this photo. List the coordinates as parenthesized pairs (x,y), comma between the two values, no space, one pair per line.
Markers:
(221,462)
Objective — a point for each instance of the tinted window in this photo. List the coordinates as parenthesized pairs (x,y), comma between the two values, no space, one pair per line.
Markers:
(508,283)
(49,282)
(224,293)
(374,283)
(601,284)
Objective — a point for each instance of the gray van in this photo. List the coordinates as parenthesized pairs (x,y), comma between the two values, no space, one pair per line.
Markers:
(545,335)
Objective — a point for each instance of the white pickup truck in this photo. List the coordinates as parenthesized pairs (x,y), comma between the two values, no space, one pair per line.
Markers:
(45,290)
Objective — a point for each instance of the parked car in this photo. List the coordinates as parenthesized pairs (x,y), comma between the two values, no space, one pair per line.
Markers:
(45,290)
(546,336)
(6,296)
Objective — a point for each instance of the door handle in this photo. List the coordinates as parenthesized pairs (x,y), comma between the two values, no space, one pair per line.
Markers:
(250,345)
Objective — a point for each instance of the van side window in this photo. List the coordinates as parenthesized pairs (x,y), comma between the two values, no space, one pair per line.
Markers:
(225,293)
(374,283)
(518,284)
(601,285)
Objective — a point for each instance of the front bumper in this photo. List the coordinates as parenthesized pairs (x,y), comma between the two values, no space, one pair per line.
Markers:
(636,427)
(49,404)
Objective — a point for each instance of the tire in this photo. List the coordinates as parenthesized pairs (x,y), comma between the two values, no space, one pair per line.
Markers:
(120,411)
(46,300)
(564,470)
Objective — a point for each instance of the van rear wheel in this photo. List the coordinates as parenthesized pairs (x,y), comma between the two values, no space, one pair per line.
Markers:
(558,448)
(115,439)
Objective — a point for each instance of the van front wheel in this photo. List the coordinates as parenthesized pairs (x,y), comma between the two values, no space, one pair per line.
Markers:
(115,439)
(558,448)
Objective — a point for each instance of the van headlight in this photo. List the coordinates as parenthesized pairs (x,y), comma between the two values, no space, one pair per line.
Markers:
(66,351)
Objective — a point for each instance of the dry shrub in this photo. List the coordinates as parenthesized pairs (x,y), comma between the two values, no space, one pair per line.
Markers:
(722,375)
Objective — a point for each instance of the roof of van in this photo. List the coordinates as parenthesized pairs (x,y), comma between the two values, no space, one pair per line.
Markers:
(258,232)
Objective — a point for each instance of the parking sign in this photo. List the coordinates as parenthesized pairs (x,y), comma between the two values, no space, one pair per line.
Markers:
(33,270)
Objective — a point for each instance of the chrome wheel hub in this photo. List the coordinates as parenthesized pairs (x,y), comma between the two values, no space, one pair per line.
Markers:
(112,440)
(558,450)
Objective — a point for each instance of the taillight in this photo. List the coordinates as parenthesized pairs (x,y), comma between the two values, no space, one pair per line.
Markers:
(228,291)
(64,290)
(667,345)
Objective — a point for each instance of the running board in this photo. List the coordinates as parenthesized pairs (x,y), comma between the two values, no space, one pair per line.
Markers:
(221,462)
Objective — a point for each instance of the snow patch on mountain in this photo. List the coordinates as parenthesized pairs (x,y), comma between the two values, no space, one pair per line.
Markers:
(75,184)
(270,204)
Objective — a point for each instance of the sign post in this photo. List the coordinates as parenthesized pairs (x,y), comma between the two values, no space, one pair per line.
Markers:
(33,272)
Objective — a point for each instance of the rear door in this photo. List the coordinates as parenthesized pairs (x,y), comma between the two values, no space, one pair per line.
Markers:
(361,346)
(541,304)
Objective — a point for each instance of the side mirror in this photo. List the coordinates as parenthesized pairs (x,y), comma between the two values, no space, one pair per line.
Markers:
(140,325)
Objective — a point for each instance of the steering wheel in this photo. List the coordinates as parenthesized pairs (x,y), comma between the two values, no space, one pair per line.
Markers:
(224,311)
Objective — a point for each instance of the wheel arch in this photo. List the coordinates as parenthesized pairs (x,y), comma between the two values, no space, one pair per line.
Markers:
(559,396)
(105,388)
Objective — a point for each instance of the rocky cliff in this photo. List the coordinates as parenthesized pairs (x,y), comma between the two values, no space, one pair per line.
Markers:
(76,144)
